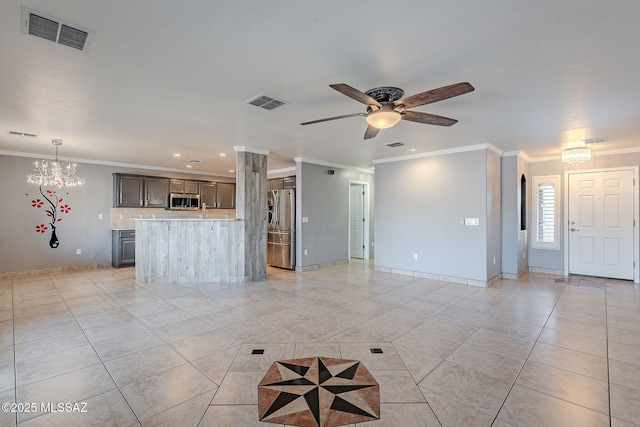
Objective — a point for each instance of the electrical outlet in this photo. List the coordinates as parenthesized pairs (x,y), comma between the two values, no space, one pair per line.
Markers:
(78,251)
(120,216)
(306,252)
(524,255)
(415,257)
(100,216)
(494,260)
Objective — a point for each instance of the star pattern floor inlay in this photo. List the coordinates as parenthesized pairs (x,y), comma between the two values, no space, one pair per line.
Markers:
(318,392)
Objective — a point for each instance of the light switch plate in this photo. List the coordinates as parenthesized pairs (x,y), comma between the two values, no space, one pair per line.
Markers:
(472,221)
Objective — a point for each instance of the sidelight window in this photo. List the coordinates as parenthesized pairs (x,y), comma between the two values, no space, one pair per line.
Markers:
(546,203)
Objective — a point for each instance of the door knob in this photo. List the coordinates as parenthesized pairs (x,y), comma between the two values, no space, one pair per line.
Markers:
(574,229)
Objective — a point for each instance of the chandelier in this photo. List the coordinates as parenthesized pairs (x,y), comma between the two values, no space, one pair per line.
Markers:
(575,156)
(55,172)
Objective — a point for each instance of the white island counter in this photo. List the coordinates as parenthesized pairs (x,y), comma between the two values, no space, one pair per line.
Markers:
(192,250)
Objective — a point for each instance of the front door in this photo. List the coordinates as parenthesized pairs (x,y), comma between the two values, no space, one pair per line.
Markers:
(601,221)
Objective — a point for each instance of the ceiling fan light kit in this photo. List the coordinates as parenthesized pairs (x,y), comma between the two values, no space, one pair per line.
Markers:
(383,118)
(386,107)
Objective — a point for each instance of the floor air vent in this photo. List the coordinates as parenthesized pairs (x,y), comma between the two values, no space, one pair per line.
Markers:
(55,30)
(266,102)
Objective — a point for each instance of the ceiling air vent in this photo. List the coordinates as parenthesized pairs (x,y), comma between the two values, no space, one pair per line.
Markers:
(26,135)
(394,144)
(55,30)
(266,102)
(593,140)
(194,161)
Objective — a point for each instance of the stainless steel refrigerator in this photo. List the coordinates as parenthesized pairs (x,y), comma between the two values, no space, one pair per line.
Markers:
(281,243)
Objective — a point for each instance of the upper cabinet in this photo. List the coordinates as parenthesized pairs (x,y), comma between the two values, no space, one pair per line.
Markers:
(156,192)
(135,191)
(208,194)
(184,186)
(226,195)
(282,183)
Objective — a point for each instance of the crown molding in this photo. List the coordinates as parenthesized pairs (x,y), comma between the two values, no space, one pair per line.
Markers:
(240,148)
(489,147)
(332,165)
(116,164)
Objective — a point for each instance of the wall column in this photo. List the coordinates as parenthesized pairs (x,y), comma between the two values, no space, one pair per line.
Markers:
(251,208)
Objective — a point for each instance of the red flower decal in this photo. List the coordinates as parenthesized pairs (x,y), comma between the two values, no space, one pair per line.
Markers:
(59,219)
(51,192)
(37,203)
(41,228)
(65,208)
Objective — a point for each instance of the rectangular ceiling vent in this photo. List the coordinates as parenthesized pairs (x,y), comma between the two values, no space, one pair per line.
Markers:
(55,30)
(593,140)
(394,144)
(266,102)
(23,134)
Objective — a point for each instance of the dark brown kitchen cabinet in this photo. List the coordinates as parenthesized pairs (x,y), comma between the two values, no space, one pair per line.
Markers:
(123,248)
(226,197)
(183,186)
(208,194)
(137,191)
(156,192)
(129,191)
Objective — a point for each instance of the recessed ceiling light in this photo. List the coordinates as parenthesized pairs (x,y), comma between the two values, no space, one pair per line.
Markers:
(223,155)
(189,166)
(177,155)
(231,170)
(412,149)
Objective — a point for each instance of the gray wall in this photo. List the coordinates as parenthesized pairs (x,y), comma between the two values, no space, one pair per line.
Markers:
(494,215)
(554,259)
(21,248)
(419,204)
(324,199)
(514,240)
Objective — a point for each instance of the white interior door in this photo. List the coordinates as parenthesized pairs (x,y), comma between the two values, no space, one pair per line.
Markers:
(356,221)
(601,222)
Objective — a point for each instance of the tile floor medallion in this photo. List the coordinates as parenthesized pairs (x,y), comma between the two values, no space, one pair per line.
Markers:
(318,392)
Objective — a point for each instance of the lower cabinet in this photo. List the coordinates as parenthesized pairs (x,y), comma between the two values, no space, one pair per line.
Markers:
(123,248)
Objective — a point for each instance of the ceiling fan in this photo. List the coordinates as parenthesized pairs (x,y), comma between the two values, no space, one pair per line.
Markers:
(386,107)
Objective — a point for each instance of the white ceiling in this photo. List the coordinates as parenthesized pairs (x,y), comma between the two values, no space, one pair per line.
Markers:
(164,77)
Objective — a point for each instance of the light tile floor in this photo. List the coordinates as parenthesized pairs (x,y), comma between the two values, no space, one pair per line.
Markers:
(540,351)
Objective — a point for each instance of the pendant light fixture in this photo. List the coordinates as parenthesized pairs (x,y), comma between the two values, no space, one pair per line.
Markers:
(55,172)
(576,155)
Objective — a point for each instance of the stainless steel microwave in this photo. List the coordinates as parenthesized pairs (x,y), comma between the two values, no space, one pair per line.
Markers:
(184,201)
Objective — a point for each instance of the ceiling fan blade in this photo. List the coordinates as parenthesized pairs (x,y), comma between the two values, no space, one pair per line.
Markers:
(428,119)
(436,95)
(354,93)
(371,132)
(333,118)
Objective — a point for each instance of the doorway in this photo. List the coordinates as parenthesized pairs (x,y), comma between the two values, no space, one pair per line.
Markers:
(601,213)
(358,220)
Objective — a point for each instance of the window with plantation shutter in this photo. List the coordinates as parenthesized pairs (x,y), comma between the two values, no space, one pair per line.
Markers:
(546,203)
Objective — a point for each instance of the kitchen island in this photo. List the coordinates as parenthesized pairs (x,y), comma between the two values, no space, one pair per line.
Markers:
(196,251)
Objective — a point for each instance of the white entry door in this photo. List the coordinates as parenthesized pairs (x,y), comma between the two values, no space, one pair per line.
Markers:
(356,221)
(601,224)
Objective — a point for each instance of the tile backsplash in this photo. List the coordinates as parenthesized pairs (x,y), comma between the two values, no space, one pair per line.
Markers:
(122,218)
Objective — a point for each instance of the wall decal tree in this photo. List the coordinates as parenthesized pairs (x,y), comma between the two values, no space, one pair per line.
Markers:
(54,207)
